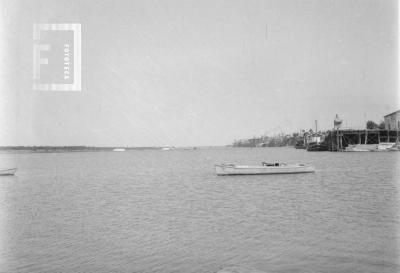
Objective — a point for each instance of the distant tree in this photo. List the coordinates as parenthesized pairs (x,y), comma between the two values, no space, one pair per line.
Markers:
(371,125)
(381,125)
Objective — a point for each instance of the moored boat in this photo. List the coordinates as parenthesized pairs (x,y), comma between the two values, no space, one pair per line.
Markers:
(10,171)
(265,168)
(395,148)
(167,148)
(317,147)
(300,144)
(361,148)
(385,146)
(316,142)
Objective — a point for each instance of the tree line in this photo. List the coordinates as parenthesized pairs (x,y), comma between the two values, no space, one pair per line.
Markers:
(372,125)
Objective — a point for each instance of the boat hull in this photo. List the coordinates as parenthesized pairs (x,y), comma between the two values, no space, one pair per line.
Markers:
(11,171)
(317,147)
(386,146)
(299,146)
(258,170)
(361,148)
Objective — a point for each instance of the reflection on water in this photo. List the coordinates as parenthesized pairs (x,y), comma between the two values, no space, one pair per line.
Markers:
(166,211)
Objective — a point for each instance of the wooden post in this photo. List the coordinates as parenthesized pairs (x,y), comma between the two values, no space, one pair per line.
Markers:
(379,137)
(337,140)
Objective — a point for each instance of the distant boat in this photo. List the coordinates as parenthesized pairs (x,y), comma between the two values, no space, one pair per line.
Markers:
(166,148)
(119,150)
(10,171)
(395,148)
(361,148)
(317,147)
(315,142)
(386,146)
(265,168)
(300,144)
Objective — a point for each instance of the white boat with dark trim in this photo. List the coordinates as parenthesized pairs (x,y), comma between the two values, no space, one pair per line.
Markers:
(10,171)
(265,168)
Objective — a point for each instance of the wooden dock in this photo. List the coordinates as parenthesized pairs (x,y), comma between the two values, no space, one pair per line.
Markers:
(338,140)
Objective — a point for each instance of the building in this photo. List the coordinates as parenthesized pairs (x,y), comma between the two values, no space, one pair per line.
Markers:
(392,121)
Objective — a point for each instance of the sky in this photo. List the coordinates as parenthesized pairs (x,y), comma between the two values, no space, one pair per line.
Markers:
(191,73)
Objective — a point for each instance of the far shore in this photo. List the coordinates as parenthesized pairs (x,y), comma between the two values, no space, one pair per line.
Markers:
(67,149)
(63,149)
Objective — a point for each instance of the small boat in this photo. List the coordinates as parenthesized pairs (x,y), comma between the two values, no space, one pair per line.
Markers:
(10,171)
(119,150)
(395,148)
(300,144)
(385,146)
(265,168)
(361,148)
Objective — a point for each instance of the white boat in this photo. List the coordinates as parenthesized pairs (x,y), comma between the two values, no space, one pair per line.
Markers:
(265,168)
(395,148)
(10,171)
(167,148)
(119,150)
(361,148)
(386,146)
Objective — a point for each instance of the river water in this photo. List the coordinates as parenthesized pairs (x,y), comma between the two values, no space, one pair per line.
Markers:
(166,211)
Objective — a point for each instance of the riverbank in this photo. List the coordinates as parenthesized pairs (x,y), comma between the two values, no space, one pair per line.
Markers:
(63,149)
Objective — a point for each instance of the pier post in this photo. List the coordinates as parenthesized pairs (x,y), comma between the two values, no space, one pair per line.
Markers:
(337,140)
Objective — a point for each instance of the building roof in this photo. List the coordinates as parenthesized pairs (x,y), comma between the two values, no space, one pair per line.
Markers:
(392,113)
